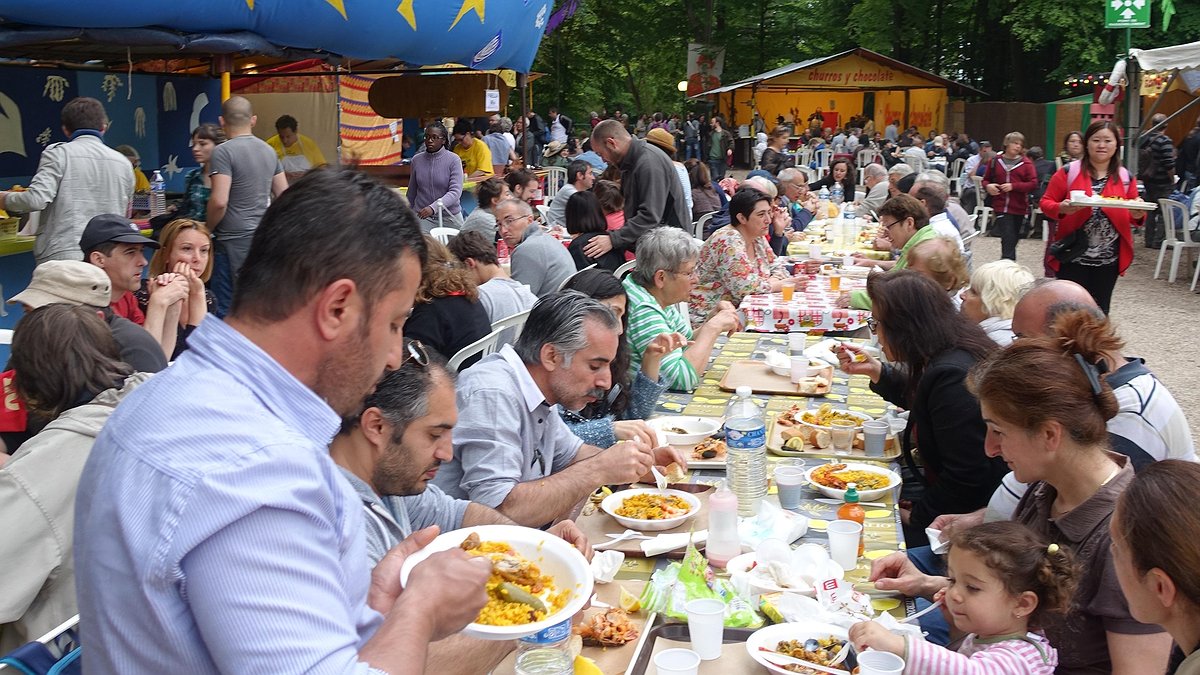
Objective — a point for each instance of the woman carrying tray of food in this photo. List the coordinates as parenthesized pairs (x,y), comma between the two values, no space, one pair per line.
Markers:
(932,347)
(1093,246)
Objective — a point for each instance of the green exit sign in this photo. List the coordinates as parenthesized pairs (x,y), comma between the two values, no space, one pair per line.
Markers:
(1126,13)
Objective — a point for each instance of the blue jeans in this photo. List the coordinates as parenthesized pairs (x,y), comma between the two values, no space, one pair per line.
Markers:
(932,623)
(691,149)
(717,168)
(221,283)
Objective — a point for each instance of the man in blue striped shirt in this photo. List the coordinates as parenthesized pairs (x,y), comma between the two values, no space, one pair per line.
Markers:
(213,532)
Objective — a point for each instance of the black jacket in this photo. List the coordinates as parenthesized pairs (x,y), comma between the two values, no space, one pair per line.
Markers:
(448,324)
(653,195)
(945,423)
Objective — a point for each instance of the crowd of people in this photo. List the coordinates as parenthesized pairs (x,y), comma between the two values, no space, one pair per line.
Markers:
(251,504)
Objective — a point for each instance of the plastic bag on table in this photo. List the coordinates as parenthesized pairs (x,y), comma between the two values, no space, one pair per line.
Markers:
(671,588)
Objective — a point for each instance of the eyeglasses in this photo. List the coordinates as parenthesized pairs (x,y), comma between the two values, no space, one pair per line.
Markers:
(887,226)
(690,273)
(513,220)
(415,351)
(872,324)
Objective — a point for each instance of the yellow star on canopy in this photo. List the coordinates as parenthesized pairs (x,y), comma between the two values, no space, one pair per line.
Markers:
(406,11)
(467,6)
(337,4)
(250,4)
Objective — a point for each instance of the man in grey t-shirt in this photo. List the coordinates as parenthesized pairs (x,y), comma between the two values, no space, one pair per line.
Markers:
(246,175)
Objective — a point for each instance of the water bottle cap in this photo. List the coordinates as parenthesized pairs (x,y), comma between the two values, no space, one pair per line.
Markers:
(744,391)
(851,496)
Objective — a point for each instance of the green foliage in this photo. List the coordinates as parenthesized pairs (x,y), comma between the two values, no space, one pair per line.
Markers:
(631,54)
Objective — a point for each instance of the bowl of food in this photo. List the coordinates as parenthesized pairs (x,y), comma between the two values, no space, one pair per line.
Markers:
(811,641)
(823,417)
(651,509)
(684,430)
(872,482)
(538,580)
(781,364)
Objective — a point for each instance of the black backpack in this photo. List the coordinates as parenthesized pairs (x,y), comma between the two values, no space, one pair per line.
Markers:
(1147,163)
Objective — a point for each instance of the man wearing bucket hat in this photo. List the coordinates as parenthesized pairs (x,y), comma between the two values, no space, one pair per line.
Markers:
(665,141)
(115,245)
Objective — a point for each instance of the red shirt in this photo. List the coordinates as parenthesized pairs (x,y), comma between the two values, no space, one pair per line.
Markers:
(127,306)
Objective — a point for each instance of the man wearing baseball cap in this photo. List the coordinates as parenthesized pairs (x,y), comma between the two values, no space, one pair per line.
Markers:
(116,245)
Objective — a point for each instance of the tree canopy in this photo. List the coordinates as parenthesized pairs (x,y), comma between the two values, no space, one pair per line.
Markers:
(631,54)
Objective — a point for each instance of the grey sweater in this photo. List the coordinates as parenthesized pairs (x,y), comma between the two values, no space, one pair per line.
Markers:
(653,195)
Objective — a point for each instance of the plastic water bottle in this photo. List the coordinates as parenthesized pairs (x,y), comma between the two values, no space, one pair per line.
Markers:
(824,193)
(723,542)
(158,194)
(546,652)
(836,194)
(849,231)
(746,460)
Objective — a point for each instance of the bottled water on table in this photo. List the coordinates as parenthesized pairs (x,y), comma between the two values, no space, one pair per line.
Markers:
(746,459)
(836,194)
(546,652)
(158,194)
(849,231)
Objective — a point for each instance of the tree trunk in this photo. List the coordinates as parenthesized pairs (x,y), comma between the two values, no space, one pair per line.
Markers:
(633,89)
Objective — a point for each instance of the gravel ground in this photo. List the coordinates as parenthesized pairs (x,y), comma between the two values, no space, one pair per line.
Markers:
(1153,316)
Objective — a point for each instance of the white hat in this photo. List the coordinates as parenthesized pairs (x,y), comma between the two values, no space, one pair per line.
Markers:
(70,282)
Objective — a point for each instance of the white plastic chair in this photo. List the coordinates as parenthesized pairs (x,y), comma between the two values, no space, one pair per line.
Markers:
(1175,237)
(699,225)
(804,156)
(516,323)
(568,279)
(956,169)
(624,269)
(556,176)
(543,212)
(983,218)
(6,336)
(485,345)
(443,234)
(62,641)
(1034,215)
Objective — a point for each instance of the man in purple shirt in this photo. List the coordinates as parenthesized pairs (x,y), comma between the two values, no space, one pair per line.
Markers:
(436,182)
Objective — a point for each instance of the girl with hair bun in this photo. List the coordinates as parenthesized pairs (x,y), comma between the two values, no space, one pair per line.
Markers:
(1156,557)
(1046,403)
(1004,581)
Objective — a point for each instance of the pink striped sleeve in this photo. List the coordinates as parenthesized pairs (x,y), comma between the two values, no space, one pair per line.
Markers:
(1012,657)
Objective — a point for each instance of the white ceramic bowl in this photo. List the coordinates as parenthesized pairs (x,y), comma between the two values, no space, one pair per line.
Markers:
(862,417)
(770,637)
(555,557)
(613,502)
(697,428)
(863,495)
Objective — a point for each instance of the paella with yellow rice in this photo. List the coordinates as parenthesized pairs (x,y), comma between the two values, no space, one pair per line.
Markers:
(647,506)
(839,477)
(518,592)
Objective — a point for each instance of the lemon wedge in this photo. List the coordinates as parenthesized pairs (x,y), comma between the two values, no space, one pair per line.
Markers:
(629,601)
(586,666)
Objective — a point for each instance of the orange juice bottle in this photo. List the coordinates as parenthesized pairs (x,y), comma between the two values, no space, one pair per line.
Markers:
(852,511)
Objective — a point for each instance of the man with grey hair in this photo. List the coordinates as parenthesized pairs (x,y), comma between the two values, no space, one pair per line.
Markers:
(939,182)
(894,175)
(512,451)
(388,452)
(664,276)
(538,260)
(875,177)
(651,187)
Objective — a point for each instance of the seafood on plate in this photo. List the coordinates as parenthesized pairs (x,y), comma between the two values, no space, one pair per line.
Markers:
(839,477)
(610,628)
(820,651)
(518,592)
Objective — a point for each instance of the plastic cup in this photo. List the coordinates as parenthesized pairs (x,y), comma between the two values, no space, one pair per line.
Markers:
(801,369)
(706,623)
(844,536)
(835,282)
(796,343)
(789,481)
(841,432)
(875,435)
(848,261)
(787,289)
(677,661)
(814,251)
(879,663)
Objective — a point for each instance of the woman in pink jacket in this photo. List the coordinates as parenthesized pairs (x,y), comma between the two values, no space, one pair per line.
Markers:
(1009,180)
(1107,231)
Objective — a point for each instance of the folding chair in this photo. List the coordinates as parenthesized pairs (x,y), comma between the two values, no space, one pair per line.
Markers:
(1175,236)
(485,345)
(624,269)
(510,327)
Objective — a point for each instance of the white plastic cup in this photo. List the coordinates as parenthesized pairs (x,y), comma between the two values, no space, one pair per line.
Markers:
(814,252)
(796,342)
(848,261)
(843,542)
(677,662)
(875,435)
(801,369)
(879,663)
(842,433)
(789,484)
(706,624)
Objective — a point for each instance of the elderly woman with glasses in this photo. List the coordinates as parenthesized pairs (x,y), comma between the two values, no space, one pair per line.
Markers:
(930,347)
(992,297)
(663,277)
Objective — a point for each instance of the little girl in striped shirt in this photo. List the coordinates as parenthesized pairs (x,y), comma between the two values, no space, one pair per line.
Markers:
(1004,579)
